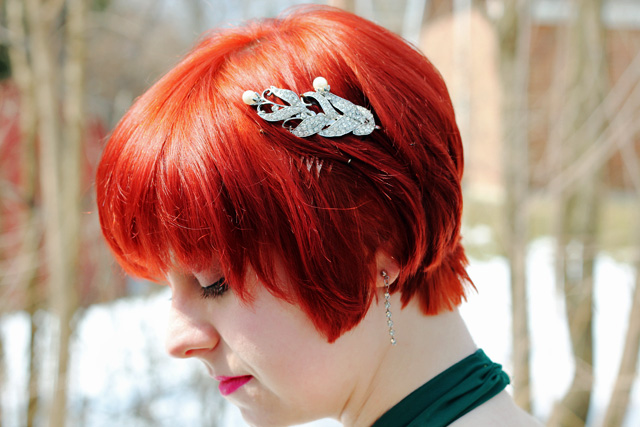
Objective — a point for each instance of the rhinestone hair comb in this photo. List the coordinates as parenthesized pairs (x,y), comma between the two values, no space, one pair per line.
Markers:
(338,117)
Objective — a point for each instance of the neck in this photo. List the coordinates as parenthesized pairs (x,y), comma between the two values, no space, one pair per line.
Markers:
(426,346)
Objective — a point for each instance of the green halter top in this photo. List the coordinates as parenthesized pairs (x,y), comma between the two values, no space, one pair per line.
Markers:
(449,395)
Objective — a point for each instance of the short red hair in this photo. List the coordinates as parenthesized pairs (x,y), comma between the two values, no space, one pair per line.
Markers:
(192,174)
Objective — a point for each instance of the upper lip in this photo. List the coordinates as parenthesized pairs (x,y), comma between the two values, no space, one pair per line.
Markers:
(211,373)
(222,378)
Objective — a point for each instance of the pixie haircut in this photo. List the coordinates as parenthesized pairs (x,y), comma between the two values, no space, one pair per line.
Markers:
(192,176)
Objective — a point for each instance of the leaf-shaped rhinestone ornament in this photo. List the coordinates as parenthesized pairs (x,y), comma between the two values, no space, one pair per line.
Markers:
(338,117)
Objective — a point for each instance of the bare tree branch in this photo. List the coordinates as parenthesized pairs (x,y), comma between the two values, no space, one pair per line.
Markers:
(622,97)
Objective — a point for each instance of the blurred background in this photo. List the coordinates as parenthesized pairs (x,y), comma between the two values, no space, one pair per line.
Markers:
(547,97)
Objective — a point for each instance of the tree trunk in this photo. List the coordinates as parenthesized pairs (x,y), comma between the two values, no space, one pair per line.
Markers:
(620,396)
(40,27)
(514,37)
(64,299)
(30,225)
(580,204)
(59,163)
(3,373)
(348,5)
(414,19)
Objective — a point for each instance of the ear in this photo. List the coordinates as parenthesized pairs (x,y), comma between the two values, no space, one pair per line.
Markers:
(385,262)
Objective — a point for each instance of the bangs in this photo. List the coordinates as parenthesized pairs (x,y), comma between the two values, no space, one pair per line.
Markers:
(165,194)
(182,199)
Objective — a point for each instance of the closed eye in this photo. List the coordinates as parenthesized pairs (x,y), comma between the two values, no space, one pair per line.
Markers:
(215,290)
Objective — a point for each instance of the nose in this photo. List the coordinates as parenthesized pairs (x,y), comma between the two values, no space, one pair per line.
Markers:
(189,337)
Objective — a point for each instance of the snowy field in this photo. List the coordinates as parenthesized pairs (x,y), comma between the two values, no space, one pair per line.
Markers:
(121,375)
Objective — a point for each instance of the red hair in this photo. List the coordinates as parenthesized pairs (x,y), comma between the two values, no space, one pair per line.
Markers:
(191,174)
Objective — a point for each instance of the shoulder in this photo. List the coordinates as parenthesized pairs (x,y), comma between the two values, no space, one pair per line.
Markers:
(499,411)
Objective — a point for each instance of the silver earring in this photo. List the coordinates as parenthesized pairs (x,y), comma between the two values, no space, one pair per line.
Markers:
(387,306)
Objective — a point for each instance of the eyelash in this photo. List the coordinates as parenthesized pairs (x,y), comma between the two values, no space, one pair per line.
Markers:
(215,290)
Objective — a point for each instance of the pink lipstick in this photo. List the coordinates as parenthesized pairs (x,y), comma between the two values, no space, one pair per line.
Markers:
(230,384)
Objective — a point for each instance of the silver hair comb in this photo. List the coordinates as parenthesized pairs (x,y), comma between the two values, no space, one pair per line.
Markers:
(338,116)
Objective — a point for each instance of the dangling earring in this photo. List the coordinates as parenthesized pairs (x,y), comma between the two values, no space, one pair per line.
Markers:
(387,306)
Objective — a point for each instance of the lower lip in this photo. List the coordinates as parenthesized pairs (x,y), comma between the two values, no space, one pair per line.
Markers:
(230,384)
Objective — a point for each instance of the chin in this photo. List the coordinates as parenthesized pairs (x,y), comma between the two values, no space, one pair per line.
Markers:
(256,418)
(254,421)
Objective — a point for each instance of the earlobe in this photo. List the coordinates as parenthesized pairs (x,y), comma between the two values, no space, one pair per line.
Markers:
(387,263)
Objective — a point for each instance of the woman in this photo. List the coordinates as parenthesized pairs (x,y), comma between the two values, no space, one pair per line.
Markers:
(311,242)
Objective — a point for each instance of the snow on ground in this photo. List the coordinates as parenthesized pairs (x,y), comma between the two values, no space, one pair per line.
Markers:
(122,375)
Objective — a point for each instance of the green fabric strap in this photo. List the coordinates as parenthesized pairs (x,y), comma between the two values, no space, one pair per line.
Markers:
(448,396)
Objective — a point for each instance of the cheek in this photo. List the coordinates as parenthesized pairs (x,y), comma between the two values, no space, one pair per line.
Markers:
(279,342)
(275,332)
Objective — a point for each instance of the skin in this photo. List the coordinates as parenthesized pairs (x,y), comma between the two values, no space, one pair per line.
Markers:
(297,375)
